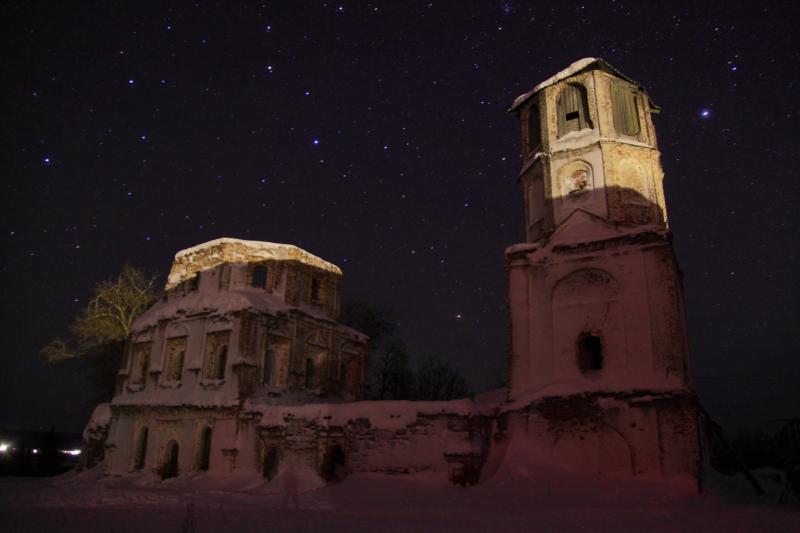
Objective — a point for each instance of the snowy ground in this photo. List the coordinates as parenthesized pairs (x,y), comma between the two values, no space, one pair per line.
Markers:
(555,500)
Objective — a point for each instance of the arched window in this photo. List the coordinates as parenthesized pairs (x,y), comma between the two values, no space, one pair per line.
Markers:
(310,381)
(260,277)
(534,129)
(572,109)
(169,464)
(204,449)
(216,355)
(590,353)
(624,105)
(140,449)
(269,365)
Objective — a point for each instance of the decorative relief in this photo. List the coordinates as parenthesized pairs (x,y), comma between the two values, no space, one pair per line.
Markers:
(576,180)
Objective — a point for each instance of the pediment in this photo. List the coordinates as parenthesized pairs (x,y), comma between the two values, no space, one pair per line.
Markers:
(585,226)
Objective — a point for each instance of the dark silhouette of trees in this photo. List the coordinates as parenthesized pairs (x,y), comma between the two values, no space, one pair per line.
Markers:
(392,377)
(390,374)
(438,380)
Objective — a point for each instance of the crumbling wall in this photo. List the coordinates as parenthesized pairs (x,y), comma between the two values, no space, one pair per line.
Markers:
(454,444)
(618,434)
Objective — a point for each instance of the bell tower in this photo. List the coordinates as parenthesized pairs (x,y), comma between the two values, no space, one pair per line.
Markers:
(595,292)
(598,352)
(588,143)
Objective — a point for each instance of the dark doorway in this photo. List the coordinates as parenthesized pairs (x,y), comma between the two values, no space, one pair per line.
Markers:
(271,463)
(169,468)
(333,467)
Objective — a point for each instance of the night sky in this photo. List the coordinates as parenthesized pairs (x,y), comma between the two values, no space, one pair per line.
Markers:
(375,135)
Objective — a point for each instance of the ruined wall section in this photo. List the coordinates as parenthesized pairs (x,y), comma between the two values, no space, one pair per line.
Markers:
(161,425)
(455,444)
(621,434)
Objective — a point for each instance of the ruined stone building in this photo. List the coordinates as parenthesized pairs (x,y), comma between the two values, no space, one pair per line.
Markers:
(239,320)
(243,363)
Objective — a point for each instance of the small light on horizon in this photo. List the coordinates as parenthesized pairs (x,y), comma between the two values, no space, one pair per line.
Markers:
(4,447)
(71,452)
(705,113)
(315,141)
(130,81)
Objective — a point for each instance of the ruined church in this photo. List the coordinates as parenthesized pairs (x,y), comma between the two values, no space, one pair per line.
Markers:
(242,364)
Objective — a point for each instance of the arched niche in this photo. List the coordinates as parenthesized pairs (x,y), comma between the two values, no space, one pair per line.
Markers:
(588,325)
(576,180)
(632,180)
(586,285)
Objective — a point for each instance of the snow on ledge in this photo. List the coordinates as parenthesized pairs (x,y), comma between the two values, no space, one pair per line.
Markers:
(577,66)
(101,418)
(230,250)
(384,414)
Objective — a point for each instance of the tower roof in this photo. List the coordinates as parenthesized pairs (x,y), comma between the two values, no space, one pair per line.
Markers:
(227,250)
(581,65)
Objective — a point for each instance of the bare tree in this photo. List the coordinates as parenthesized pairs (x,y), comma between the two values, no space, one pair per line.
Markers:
(437,380)
(390,376)
(99,332)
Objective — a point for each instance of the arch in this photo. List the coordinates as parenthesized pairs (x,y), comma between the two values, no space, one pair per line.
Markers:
(625,107)
(576,178)
(534,128)
(333,464)
(259,279)
(174,355)
(572,109)
(270,463)
(317,338)
(599,449)
(203,456)
(140,449)
(169,461)
(586,285)
(632,180)
(310,380)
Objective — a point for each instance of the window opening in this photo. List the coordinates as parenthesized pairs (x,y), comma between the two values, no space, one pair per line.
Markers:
(310,374)
(590,353)
(140,449)
(316,290)
(204,457)
(572,109)
(260,277)
(169,468)
(534,129)
(625,108)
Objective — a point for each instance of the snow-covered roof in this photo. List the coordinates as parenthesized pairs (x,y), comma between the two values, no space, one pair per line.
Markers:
(228,250)
(587,63)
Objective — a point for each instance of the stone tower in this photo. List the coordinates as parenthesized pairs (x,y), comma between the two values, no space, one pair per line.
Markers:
(595,296)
